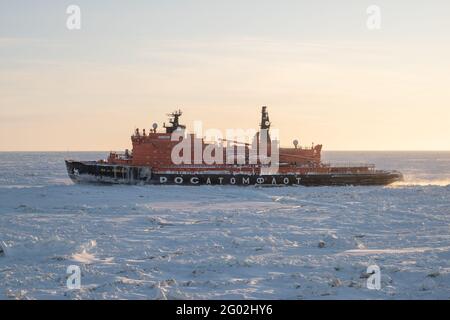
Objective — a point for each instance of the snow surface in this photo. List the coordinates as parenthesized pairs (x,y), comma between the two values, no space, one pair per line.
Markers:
(224,242)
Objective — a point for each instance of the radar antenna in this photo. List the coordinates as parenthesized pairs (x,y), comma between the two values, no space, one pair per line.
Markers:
(174,121)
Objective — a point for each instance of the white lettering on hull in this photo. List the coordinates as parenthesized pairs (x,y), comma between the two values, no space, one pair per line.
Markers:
(194,180)
(178,180)
(232,180)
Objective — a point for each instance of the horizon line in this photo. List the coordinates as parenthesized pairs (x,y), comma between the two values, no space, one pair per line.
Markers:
(337,150)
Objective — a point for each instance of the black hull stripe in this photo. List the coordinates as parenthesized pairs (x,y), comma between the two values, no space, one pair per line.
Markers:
(82,172)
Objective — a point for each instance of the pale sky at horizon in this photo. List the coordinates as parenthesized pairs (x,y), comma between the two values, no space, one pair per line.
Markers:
(325,77)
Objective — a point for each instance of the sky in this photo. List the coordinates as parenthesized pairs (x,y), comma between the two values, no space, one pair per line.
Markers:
(324,75)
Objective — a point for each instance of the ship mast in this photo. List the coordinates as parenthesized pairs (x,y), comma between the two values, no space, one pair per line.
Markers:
(174,121)
(265,122)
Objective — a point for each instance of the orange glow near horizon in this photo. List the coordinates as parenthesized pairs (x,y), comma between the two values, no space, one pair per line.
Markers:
(87,91)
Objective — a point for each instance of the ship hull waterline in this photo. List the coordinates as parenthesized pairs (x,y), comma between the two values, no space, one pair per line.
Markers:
(93,172)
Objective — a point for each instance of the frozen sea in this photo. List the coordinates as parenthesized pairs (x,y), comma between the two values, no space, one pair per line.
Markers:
(225,242)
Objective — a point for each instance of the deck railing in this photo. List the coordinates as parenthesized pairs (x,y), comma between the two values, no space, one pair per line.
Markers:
(370,166)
